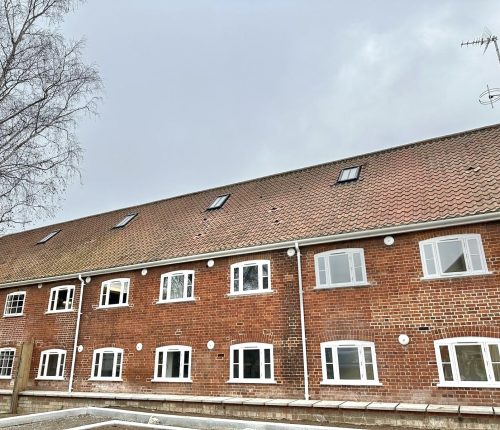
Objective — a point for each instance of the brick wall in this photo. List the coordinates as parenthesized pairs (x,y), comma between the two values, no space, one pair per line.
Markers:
(396,301)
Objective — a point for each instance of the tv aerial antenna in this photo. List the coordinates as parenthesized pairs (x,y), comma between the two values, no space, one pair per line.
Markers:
(491,95)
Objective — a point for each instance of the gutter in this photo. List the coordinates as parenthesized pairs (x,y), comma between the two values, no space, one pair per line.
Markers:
(302,322)
(77,330)
(408,228)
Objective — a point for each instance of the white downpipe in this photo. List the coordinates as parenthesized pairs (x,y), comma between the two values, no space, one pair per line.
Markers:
(77,330)
(302,323)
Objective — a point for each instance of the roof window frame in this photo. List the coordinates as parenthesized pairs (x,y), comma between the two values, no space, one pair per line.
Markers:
(340,179)
(125,220)
(219,202)
(47,237)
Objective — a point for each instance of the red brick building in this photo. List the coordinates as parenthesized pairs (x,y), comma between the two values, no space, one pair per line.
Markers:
(375,278)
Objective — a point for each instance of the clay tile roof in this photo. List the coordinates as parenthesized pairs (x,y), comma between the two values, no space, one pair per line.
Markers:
(446,177)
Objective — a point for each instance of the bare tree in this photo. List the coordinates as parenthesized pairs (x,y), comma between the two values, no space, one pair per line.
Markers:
(44,88)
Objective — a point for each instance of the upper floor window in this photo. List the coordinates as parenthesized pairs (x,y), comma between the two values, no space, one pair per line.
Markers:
(52,364)
(218,202)
(250,277)
(115,292)
(453,255)
(107,364)
(349,363)
(340,268)
(61,298)
(173,364)
(6,362)
(468,362)
(177,286)
(14,304)
(252,363)
(349,174)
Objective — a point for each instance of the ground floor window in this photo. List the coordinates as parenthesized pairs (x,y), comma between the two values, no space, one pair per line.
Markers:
(349,363)
(6,362)
(52,364)
(107,364)
(173,364)
(252,362)
(468,362)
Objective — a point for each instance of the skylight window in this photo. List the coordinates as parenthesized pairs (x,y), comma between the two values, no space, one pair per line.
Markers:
(219,202)
(48,237)
(349,174)
(125,221)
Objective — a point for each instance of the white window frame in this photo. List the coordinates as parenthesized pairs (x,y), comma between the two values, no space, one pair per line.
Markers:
(350,254)
(18,314)
(240,347)
(125,288)
(260,290)
(61,363)
(13,360)
(102,351)
(173,348)
(169,276)
(360,345)
(463,238)
(54,294)
(451,343)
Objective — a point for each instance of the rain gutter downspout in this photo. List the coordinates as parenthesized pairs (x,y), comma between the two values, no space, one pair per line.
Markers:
(77,330)
(302,323)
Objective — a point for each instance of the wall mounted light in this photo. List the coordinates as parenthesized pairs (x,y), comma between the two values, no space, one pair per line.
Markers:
(388,241)
(290,252)
(144,272)
(210,345)
(210,263)
(403,339)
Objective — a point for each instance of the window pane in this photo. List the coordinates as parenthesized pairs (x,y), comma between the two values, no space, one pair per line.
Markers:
(339,269)
(495,361)
(62,298)
(118,364)
(329,355)
(6,362)
(429,259)
(164,288)
(369,372)
(173,364)
(475,256)
(267,371)
(160,365)
(322,270)
(236,366)
(177,287)
(189,292)
(114,291)
(447,372)
(250,278)
(236,276)
(451,256)
(251,363)
(52,365)
(445,354)
(358,268)
(471,363)
(107,365)
(265,277)
(329,371)
(186,364)
(348,363)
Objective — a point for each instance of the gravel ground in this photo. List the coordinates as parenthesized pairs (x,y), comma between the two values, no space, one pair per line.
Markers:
(61,423)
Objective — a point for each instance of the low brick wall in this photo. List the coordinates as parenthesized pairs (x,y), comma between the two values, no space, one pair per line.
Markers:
(29,403)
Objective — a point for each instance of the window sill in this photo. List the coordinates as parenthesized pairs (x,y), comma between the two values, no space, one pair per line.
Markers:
(333,287)
(60,312)
(250,293)
(49,378)
(251,381)
(13,315)
(106,379)
(468,384)
(353,383)
(6,377)
(113,306)
(166,302)
(177,380)
(454,275)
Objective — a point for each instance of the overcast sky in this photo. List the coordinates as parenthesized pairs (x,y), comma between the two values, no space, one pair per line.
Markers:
(205,93)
